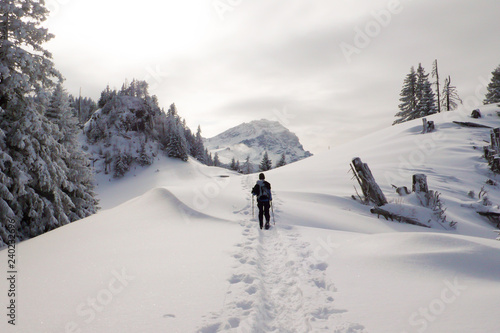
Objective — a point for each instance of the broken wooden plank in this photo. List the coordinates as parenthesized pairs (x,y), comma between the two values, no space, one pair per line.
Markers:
(492,216)
(392,216)
(470,124)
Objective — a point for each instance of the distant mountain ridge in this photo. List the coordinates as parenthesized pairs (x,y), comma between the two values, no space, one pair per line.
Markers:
(253,139)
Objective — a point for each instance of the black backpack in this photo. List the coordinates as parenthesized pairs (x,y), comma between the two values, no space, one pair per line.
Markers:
(263,192)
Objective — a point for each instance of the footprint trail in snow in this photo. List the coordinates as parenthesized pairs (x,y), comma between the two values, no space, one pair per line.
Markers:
(277,286)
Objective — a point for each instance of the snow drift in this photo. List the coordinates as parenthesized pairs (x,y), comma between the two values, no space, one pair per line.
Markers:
(177,249)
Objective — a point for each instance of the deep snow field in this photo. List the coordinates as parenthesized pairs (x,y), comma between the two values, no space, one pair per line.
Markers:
(176,248)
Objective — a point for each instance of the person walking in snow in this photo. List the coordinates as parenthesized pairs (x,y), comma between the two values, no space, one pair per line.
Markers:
(264,197)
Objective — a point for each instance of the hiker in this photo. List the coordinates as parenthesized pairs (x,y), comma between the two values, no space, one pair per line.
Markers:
(263,192)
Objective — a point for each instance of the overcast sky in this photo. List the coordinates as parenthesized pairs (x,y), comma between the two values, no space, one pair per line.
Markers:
(328,70)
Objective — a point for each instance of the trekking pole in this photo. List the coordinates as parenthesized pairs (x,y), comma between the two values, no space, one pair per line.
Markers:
(253,215)
(272,211)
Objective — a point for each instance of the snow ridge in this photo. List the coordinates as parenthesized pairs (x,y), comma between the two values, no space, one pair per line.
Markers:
(277,286)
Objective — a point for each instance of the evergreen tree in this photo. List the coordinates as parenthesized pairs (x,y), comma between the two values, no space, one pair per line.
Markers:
(199,148)
(144,159)
(232,166)
(450,96)
(210,161)
(418,99)
(216,160)
(435,73)
(247,166)
(106,95)
(408,98)
(282,161)
(24,70)
(426,100)
(266,163)
(176,141)
(35,190)
(493,94)
(79,184)
(120,166)
(84,107)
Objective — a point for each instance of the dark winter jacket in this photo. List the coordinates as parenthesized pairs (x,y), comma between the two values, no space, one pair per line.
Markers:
(263,191)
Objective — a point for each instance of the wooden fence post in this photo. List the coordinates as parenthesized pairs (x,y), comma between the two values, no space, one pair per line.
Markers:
(369,186)
(421,188)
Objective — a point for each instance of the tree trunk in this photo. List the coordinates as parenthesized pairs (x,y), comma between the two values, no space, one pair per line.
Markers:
(369,186)
(495,140)
(420,183)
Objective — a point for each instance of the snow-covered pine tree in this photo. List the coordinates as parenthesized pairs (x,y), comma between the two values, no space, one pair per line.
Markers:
(235,165)
(33,171)
(58,106)
(25,66)
(435,73)
(247,166)
(408,98)
(8,199)
(282,161)
(426,100)
(210,161)
(216,160)
(79,185)
(232,166)
(450,98)
(121,165)
(266,163)
(106,95)
(199,148)
(176,141)
(493,94)
(144,158)
(83,106)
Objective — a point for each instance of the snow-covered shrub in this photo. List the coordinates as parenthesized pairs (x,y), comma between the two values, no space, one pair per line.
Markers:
(437,206)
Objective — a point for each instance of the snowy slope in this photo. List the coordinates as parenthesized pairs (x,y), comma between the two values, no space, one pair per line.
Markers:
(253,139)
(177,250)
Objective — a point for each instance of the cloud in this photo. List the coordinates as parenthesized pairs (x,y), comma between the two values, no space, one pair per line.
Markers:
(279,55)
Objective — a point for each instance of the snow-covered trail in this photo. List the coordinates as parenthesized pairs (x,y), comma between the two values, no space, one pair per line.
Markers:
(277,284)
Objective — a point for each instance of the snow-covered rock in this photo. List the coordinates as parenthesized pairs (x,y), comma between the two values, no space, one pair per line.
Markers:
(253,139)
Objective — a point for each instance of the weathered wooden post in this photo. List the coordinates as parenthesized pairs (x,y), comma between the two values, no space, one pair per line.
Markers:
(476,114)
(489,154)
(369,186)
(420,183)
(428,126)
(495,164)
(421,188)
(495,140)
